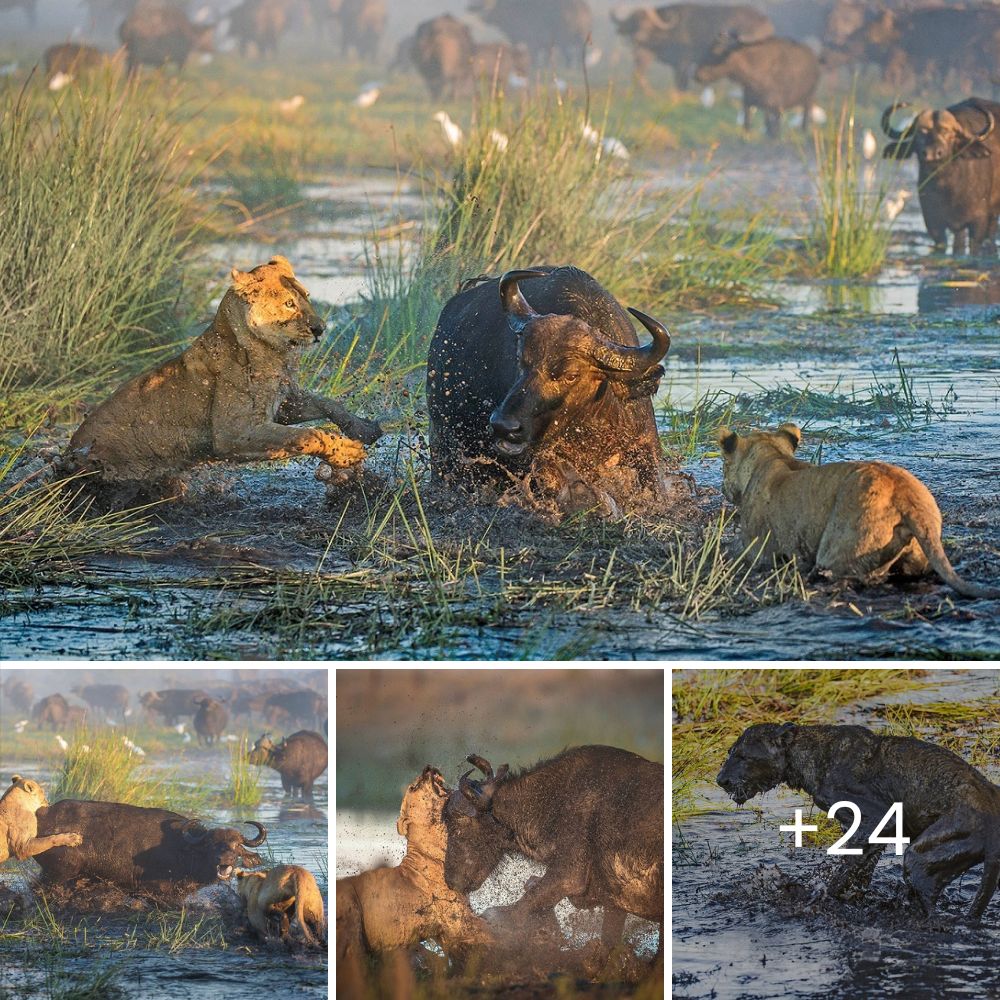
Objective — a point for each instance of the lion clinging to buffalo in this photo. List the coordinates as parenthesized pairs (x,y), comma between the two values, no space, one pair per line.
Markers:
(232,395)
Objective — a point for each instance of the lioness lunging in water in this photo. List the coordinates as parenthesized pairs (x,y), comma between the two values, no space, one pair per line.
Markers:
(230,396)
(846,520)
(19,826)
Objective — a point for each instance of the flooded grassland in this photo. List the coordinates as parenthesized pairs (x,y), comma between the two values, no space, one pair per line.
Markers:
(749,920)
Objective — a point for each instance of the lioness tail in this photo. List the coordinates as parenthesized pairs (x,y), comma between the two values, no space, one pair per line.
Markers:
(929,537)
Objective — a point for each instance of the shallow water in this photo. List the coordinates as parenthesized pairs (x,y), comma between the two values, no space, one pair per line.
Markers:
(295,835)
(737,935)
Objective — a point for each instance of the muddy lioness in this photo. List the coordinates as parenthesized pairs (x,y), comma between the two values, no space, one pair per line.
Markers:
(845,520)
(388,908)
(951,812)
(270,895)
(230,396)
(19,827)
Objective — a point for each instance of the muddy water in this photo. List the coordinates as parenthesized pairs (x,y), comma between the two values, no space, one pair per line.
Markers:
(933,317)
(295,834)
(368,839)
(743,926)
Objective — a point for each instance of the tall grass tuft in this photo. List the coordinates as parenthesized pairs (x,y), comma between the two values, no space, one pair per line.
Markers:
(244,778)
(96,218)
(849,235)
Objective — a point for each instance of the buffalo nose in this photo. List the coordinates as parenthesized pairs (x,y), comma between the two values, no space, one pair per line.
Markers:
(505,426)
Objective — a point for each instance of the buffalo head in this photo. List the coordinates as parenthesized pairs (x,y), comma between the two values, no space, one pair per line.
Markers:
(645,24)
(935,136)
(565,366)
(222,848)
(477,840)
(263,750)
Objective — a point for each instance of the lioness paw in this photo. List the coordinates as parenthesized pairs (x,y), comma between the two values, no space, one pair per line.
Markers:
(342,452)
(72,839)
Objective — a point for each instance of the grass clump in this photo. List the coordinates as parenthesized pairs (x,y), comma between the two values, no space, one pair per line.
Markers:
(244,778)
(96,220)
(264,172)
(849,235)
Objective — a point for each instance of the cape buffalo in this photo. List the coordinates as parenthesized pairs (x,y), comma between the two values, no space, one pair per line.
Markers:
(51,711)
(131,845)
(304,707)
(958,158)
(74,59)
(681,34)
(775,74)
(554,394)
(300,759)
(156,33)
(210,720)
(442,51)
(362,25)
(172,703)
(593,815)
(260,24)
(17,694)
(106,698)
(542,27)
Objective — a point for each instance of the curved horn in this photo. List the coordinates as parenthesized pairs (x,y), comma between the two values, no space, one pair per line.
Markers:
(483,764)
(654,15)
(893,133)
(188,836)
(990,122)
(474,792)
(515,305)
(261,834)
(635,360)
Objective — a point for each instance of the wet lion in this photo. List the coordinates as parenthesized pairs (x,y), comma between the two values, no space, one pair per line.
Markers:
(845,520)
(19,827)
(232,395)
(388,908)
(272,894)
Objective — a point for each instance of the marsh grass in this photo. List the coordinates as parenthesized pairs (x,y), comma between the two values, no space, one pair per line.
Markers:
(45,528)
(714,706)
(969,728)
(849,236)
(244,778)
(97,217)
(265,169)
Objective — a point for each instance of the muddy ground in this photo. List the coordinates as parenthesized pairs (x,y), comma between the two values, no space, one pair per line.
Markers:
(903,369)
(745,924)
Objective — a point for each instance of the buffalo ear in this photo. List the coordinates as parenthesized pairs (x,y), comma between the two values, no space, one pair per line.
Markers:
(898,150)
(602,390)
(975,150)
(792,433)
(727,440)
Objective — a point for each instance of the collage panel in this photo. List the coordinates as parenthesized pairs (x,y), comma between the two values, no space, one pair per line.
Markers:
(835,832)
(163,833)
(499,833)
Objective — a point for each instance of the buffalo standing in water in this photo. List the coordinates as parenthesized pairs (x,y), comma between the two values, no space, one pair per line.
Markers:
(958,157)
(300,759)
(550,391)
(592,815)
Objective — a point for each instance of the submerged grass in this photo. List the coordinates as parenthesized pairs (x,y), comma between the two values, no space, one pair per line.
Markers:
(97,216)
(244,778)
(712,708)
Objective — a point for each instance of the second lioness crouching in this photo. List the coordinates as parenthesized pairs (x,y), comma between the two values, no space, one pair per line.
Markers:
(845,520)
(232,395)
(388,908)
(271,895)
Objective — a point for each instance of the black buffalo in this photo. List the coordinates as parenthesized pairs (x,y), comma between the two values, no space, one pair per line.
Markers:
(51,711)
(106,698)
(17,694)
(362,25)
(556,25)
(173,703)
(682,34)
(958,157)
(300,759)
(131,845)
(156,33)
(210,720)
(554,394)
(258,24)
(302,707)
(592,815)
(775,74)
(442,51)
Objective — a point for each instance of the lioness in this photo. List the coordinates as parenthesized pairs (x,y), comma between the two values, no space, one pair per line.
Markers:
(273,893)
(845,520)
(950,811)
(388,908)
(231,395)
(19,827)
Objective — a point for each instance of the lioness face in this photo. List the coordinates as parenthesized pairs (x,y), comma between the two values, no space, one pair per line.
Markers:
(757,761)
(278,310)
(30,794)
(741,456)
(423,803)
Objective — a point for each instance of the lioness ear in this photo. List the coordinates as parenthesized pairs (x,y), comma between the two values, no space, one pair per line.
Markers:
(727,439)
(792,433)
(16,779)
(402,825)
(283,266)
(242,280)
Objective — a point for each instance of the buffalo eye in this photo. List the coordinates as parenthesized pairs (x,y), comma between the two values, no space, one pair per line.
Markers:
(569,377)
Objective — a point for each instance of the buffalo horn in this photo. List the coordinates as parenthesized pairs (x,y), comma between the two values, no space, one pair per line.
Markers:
(261,834)
(474,792)
(514,304)
(990,122)
(483,764)
(893,133)
(635,360)
(189,836)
